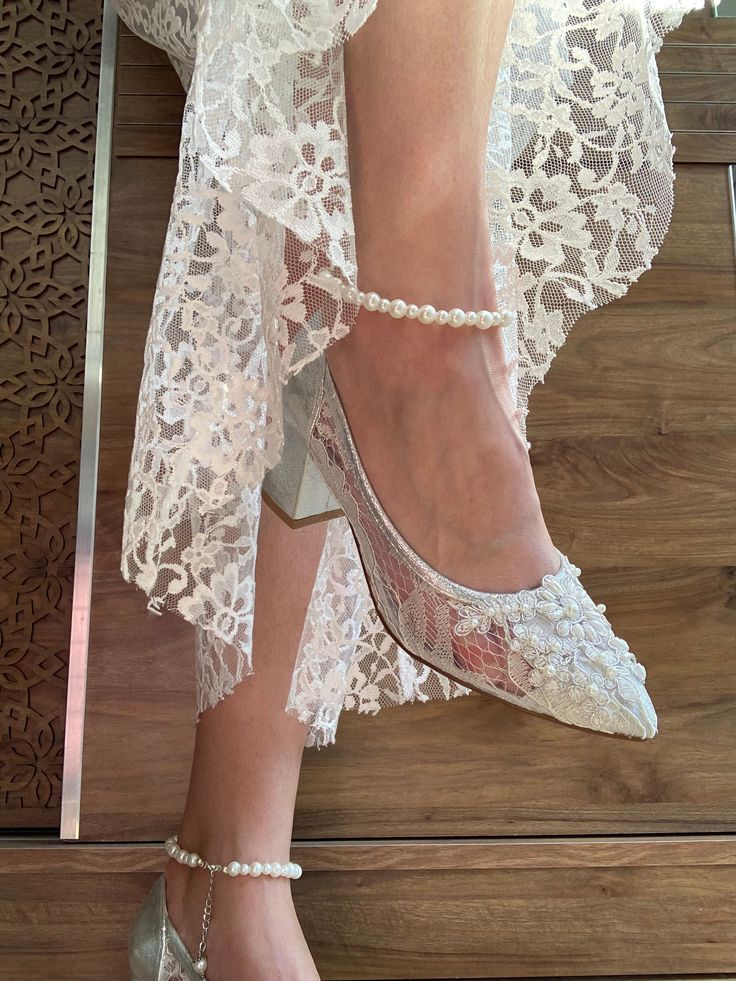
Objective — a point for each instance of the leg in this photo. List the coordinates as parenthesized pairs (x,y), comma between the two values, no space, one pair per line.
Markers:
(431,407)
(244,779)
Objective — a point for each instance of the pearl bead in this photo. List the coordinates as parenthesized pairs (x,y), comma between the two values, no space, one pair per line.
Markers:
(397,308)
(275,870)
(471,318)
(193,860)
(233,868)
(412,311)
(360,296)
(255,869)
(485,319)
(351,296)
(442,317)
(244,868)
(183,856)
(457,317)
(427,314)
(506,317)
(371,301)
(289,870)
(297,871)
(601,607)
(267,868)
(171,847)
(384,305)
(496,321)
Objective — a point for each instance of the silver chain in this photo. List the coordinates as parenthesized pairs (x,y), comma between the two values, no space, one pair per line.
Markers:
(207,914)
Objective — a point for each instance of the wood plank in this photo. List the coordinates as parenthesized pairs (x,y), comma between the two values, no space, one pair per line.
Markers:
(133,50)
(704,148)
(705,116)
(412,910)
(35,856)
(708,58)
(686,87)
(700,27)
(665,499)
(149,110)
(614,377)
(149,142)
(149,80)
(140,730)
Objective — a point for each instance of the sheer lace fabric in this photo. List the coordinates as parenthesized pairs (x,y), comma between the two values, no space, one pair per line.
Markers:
(580,189)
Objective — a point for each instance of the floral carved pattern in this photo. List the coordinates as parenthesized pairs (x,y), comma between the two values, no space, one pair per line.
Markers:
(48,93)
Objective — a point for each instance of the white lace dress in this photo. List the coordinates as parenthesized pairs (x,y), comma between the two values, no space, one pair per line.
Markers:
(580,188)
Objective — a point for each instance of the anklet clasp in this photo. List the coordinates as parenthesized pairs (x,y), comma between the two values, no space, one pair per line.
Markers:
(426,314)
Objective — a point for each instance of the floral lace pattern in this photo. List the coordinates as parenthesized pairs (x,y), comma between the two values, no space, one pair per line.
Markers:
(580,183)
(568,659)
(347,660)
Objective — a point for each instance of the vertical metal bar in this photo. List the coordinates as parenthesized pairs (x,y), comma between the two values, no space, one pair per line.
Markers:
(731,178)
(89,453)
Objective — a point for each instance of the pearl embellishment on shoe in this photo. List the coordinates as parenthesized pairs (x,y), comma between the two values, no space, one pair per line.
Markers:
(425,314)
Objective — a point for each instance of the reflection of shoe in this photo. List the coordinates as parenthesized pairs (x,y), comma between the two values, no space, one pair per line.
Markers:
(156,952)
(548,649)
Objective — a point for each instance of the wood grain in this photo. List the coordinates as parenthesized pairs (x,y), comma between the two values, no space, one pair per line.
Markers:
(696,87)
(147,80)
(700,27)
(702,116)
(700,147)
(444,769)
(134,51)
(717,57)
(161,110)
(473,910)
(609,857)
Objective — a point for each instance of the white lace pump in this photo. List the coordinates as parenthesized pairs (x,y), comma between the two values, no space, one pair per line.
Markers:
(549,649)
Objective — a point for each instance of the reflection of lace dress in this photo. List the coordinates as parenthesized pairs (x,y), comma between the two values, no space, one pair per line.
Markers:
(580,183)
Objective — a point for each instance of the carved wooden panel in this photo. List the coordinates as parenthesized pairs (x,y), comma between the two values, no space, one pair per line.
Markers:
(48,92)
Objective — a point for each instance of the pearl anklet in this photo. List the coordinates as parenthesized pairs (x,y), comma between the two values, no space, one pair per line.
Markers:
(274,870)
(426,314)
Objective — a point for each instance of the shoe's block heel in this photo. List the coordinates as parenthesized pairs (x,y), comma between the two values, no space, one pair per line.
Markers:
(295,485)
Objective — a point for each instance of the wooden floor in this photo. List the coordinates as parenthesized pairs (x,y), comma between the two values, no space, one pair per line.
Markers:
(391,910)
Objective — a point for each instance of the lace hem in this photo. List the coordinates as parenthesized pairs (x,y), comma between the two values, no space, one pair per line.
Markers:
(579,189)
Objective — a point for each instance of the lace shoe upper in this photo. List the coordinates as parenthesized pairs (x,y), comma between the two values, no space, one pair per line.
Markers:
(549,649)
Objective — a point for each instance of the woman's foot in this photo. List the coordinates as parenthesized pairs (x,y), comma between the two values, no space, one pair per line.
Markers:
(434,420)
(430,406)
(254,931)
